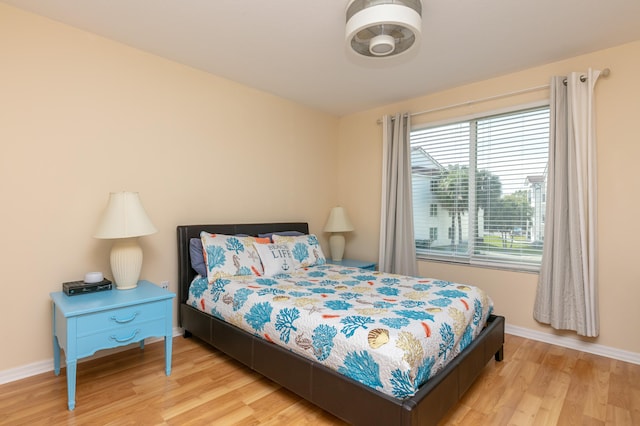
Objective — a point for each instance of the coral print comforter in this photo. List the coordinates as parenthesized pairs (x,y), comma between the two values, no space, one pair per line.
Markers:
(389,332)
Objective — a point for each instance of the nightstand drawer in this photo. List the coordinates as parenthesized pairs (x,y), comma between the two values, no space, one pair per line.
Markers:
(119,318)
(119,336)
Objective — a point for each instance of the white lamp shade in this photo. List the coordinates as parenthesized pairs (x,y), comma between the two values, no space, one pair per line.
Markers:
(124,217)
(338,221)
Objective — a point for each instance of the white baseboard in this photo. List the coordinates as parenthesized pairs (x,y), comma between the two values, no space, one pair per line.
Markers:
(571,343)
(39,367)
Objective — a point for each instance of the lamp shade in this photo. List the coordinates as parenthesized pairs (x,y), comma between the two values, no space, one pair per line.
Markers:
(124,217)
(338,221)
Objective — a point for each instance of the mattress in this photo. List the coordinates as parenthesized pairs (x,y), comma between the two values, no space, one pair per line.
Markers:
(389,332)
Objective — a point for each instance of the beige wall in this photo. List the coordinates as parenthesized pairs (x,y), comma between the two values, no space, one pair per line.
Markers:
(81,116)
(618,113)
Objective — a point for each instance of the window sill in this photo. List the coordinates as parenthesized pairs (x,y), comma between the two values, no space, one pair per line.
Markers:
(532,269)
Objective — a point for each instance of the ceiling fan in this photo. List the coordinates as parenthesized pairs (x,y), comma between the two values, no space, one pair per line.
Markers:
(383,28)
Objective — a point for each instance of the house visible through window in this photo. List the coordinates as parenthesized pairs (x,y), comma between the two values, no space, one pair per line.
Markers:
(482,183)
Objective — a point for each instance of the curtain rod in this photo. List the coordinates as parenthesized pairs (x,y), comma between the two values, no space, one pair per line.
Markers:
(605,73)
(583,78)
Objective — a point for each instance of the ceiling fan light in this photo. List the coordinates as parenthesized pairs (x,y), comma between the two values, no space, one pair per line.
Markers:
(382,45)
(371,24)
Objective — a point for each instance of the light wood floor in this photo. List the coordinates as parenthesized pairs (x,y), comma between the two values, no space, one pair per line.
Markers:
(536,384)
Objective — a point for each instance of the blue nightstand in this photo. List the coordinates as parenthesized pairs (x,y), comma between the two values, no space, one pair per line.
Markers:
(369,266)
(87,323)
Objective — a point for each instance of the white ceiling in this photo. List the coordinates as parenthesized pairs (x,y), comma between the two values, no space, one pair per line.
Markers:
(295,48)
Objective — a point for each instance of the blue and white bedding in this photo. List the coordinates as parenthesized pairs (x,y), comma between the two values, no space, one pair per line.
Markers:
(389,332)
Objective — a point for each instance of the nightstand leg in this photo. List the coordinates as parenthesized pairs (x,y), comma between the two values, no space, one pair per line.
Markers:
(168,340)
(56,356)
(71,383)
(56,345)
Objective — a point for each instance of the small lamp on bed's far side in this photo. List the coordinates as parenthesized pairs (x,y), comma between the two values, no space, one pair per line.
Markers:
(124,220)
(337,223)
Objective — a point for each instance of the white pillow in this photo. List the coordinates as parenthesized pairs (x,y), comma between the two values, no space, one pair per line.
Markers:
(276,258)
(305,249)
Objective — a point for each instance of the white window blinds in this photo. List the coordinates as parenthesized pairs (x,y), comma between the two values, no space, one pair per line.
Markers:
(487,177)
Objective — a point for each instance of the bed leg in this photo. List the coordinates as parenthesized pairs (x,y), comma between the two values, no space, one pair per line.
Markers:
(186,334)
(499,356)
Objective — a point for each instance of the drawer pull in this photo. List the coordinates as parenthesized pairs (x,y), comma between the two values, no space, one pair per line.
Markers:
(126,339)
(126,320)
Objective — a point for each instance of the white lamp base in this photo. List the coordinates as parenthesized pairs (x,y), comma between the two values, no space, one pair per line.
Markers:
(126,263)
(336,245)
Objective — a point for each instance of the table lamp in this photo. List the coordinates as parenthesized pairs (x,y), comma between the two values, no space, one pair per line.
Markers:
(337,223)
(124,220)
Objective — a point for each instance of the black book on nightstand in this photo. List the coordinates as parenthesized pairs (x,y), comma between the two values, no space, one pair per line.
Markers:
(73,288)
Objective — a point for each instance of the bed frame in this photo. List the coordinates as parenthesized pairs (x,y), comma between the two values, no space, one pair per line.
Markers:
(329,390)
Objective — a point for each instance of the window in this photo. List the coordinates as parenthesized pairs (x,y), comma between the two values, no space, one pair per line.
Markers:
(487,179)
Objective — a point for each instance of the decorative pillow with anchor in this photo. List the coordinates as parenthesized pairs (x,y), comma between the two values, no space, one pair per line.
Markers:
(276,258)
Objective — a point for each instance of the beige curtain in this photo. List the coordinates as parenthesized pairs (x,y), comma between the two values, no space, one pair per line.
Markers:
(567,293)
(397,242)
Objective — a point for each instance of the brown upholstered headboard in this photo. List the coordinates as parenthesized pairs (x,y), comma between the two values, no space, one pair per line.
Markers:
(186,232)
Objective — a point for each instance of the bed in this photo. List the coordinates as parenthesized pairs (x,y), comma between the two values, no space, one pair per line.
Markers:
(312,380)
